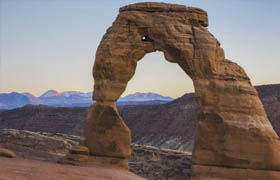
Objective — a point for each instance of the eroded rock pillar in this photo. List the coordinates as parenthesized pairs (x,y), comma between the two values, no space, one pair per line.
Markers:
(106,133)
(232,127)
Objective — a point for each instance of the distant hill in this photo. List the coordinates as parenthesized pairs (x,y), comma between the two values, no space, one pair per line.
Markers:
(73,99)
(270,97)
(171,125)
(13,100)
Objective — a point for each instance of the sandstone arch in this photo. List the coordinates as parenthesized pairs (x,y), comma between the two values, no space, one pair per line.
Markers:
(233,130)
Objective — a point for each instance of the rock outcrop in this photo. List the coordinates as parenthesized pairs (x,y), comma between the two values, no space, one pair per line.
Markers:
(146,161)
(159,164)
(37,145)
(232,129)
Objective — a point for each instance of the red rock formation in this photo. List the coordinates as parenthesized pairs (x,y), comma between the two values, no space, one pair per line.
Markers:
(233,130)
(111,135)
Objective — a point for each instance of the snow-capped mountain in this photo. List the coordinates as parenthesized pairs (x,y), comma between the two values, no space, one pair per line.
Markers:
(50,93)
(74,98)
(65,98)
(145,97)
(77,93)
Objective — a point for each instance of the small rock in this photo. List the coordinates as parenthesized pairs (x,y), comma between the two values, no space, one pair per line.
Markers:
(7,153)
(79,150)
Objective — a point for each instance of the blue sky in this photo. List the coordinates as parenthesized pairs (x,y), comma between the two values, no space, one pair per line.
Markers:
(52,44)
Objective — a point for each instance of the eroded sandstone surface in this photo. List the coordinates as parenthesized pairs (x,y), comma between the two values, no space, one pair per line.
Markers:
(232,129)
(26,169)
(146,161)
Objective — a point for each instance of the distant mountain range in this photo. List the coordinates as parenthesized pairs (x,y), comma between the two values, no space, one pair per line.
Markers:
(73,99)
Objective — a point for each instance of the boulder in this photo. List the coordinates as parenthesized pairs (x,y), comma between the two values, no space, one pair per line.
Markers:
(79,150)
(7,153)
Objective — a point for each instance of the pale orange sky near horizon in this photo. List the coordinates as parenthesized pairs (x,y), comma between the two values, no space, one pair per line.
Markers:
(51,44)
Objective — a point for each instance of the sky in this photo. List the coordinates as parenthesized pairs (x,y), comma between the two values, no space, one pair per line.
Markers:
(51,44)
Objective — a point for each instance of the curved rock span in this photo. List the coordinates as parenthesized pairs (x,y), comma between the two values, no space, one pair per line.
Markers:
(233,130)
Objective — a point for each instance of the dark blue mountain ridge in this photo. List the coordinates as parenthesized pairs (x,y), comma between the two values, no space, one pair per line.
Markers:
(74,99)
(13,100)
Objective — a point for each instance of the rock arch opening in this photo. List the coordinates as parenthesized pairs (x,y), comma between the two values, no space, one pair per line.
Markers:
(169,125)
(156,75)
(232,129)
